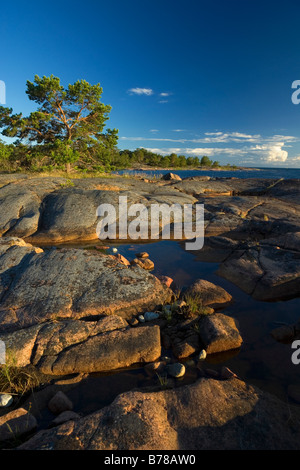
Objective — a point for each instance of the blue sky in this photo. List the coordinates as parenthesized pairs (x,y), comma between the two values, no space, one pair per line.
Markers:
(192,77)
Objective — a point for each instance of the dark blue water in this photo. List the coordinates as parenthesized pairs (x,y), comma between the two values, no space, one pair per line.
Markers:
(268,173)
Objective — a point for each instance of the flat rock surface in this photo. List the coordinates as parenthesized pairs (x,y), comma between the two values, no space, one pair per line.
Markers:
(71,283)
(57,209)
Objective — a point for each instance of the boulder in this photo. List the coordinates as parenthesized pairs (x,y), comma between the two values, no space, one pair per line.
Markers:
(211,295)
(268,273)
(105,352)
(60,403)
(27,346)
(218,333)
(75,346)
(19,211)
(186,347)
(69,213)
(207,415)
(16,423)
(171,177)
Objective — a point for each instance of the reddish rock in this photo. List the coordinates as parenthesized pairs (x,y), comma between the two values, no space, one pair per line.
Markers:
(207,415)
(144,263)
(167,281)
(211,295)
(218,333)
(123,260)
(16,423)
(143,254)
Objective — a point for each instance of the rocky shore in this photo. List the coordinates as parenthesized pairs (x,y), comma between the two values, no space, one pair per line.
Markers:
(67,312)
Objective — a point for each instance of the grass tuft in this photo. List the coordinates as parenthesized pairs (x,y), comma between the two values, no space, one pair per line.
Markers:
(17,380)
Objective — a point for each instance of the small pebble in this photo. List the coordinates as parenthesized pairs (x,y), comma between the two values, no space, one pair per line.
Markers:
(141,318)
(149,316)
(202,355)
(133,322)
(176,370)
(143,254)
(5,400)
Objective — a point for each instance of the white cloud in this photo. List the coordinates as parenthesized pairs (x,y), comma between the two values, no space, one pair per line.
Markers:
(141,91)
(213,133)
(154,130)
(164,94)
(255,154)
(246,148)
(239,137)
(272,153)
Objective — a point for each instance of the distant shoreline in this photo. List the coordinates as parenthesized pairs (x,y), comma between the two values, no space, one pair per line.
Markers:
(150,168)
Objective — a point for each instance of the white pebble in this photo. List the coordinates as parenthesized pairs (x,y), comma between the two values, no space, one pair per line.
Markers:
(202,355)
(148,316)
(5,400)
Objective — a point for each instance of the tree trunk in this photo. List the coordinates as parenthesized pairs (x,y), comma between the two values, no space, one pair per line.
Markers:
(68,165)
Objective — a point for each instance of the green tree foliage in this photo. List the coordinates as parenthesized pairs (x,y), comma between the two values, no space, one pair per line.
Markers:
(205,161)
(71,119)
